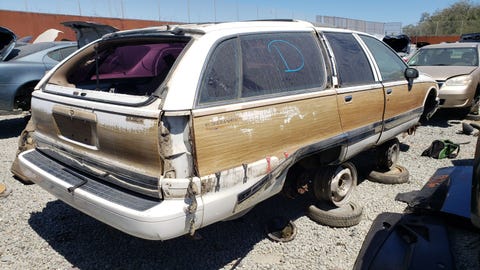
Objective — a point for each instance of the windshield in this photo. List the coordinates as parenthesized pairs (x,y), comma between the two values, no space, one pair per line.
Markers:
(445,57)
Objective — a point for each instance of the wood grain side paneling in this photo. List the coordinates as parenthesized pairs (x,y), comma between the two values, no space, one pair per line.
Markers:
(365,108)
(402,100)
(228,139)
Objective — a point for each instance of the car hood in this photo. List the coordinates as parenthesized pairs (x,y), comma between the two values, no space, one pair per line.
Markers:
(88,31)
(441,73)
(7,42)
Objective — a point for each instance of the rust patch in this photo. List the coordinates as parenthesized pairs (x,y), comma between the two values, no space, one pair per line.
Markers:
(437,180)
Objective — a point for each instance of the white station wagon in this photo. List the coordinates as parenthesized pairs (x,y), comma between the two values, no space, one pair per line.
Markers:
(161,131)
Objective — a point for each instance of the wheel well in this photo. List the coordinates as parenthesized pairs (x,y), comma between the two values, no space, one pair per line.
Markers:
(320,159)
(430,105)
(304,169)
(24,95)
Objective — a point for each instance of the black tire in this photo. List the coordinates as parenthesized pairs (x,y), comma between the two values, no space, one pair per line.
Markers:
(474,117)
(338,217)
(387,154)
(475,125)
(281,230)
(24,96)
(396,175)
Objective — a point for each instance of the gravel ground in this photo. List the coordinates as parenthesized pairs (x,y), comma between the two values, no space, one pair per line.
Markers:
(39,232)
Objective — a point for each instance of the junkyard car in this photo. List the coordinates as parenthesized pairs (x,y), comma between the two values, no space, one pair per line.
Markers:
(455,66)
(399,43)
(22,65)
(161,131)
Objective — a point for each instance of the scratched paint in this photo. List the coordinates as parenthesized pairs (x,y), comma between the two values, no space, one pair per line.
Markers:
(287,113)
(247,131)
(235,176)
(257,116)
(127,124)
(221,121)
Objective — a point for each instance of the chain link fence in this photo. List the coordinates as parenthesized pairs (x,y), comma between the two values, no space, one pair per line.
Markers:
(374,28)
(443,28)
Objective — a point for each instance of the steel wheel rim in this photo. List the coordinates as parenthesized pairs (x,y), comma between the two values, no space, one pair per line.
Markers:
(392,153)
(341,184)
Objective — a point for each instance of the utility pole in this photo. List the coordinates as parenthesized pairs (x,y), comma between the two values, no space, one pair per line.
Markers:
(79,8)
(188,10)
(123,9)
(215,11)
(238,17)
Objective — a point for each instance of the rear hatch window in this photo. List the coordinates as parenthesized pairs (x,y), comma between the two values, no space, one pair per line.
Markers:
(124,66)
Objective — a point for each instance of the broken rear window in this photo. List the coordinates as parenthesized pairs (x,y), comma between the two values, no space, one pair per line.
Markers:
(125,67)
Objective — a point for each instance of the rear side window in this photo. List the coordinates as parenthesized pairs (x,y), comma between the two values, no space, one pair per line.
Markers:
(391,66)
(280,63)
(352,63)
(252,66)
(221,82)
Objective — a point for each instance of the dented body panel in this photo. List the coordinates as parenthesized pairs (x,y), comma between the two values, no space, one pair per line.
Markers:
(202,122)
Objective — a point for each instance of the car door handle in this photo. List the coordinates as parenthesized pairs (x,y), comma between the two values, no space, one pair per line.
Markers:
(389,91)
(348,98)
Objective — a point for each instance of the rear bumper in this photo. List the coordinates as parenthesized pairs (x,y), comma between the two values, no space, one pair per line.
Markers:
(131,213)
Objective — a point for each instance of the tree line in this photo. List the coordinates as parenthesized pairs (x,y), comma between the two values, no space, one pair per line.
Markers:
(460,18)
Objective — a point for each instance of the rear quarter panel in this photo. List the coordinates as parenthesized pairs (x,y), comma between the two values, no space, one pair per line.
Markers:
(227,139)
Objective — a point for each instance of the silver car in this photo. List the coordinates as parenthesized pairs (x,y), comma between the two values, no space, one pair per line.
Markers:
(22,68)
(455,67)
(22,65)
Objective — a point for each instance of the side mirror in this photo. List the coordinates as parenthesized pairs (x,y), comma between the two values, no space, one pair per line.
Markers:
(410,75)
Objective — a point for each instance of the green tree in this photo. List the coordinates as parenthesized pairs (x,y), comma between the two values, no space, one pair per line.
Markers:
(461,17)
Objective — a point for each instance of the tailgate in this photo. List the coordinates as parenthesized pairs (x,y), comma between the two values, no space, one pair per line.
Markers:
(115,143)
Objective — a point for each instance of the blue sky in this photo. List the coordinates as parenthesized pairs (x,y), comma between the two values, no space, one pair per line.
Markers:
(404,11)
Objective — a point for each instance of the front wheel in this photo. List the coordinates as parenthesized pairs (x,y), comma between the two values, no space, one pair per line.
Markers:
(335,184)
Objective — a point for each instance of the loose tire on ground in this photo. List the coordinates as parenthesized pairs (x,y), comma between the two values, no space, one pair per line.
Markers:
(474,117)
(396,175)
(344,216)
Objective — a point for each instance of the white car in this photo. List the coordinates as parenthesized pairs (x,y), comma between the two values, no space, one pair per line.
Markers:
(161,131)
